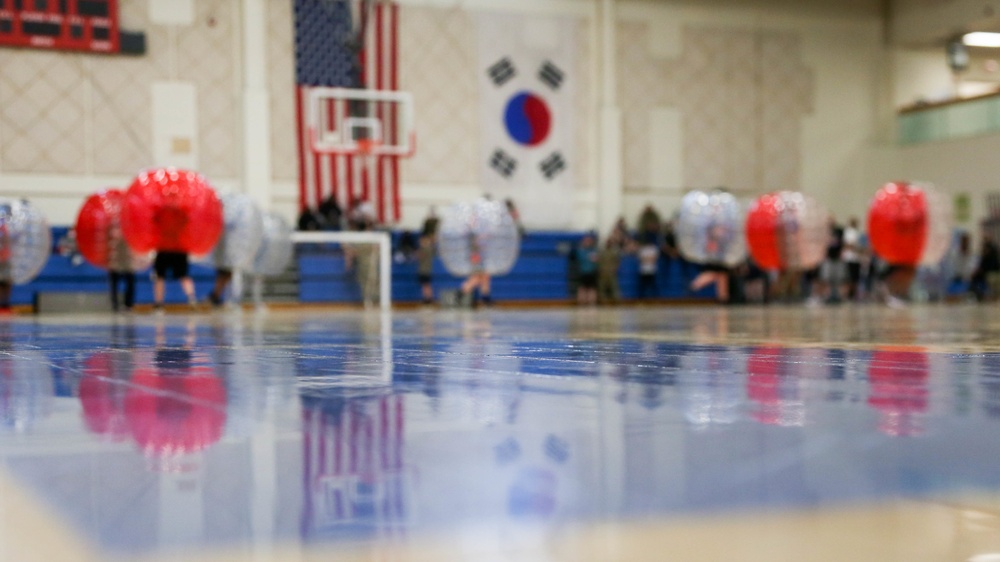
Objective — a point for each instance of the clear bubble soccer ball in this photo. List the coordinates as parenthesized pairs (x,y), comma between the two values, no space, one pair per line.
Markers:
(242,232)
(787,230)
(710,228)
(478,236)
(275,251)
(25,241)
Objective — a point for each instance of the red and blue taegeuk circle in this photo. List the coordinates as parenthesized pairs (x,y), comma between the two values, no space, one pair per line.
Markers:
(528,119)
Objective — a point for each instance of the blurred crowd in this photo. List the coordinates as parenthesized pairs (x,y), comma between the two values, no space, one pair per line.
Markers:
(850,272)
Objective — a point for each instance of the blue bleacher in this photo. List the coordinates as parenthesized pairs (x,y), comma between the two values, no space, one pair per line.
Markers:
(541,274)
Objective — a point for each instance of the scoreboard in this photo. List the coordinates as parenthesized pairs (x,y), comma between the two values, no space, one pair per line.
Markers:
(74,25)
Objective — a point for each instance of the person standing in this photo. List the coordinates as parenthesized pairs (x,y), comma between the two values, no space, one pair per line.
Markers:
(586,257)
(176,265)
(425,268)
(649,258)
(608,262)
(479,278)
(985,279)
(121,268)
(6,268)
(851,255)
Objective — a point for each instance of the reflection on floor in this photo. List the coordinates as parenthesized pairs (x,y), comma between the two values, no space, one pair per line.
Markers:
(861,433)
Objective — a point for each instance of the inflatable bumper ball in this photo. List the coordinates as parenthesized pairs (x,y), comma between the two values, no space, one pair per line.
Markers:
(787,231)
(171,210)
(710,229)
(486,225)
(910,224)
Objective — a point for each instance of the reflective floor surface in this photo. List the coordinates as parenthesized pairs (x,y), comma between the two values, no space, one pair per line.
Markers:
(851,433)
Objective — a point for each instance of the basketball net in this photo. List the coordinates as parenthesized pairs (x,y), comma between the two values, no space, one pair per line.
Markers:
(366,146)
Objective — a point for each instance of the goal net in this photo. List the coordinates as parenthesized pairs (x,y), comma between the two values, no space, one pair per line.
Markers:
(344,267)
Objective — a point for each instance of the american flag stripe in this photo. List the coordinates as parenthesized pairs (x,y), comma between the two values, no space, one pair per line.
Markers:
(323,59)
(359,444)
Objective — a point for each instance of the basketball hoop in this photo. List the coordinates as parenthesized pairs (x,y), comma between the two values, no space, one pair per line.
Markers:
(366,146)
(383,128)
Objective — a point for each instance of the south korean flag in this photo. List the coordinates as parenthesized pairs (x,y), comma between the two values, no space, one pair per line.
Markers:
(527,94)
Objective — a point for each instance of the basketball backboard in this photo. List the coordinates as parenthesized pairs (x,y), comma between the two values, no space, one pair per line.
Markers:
(359,121)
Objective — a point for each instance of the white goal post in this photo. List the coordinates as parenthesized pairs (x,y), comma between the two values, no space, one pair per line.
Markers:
(351,237)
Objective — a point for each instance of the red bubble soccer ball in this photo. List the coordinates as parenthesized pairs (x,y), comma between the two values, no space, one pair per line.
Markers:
(909,224)
(787,230)
(171,210)
(763,229)
(97,225)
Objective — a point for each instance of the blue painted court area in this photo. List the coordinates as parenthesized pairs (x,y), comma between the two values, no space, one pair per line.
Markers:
(152,435)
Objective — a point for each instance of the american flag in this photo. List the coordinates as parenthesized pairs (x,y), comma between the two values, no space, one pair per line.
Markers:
(328,53)
(355,472)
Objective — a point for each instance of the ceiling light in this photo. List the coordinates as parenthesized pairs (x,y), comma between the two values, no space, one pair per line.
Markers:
(981,39)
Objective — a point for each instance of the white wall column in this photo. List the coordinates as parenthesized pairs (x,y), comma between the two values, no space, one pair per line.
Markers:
(256,104)
(609,138)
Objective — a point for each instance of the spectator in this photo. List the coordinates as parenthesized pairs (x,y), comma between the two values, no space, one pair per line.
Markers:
(431,223)
(620,235)
(331,214)
(851,255)
(425,267)
(516,215)
(363,258)
(832,272)
(586,258)
(361,215)
(963,268)
(649,224)
(6,268)
(121,267)
(649,258)
(310,220)
(609,260)
(986,280)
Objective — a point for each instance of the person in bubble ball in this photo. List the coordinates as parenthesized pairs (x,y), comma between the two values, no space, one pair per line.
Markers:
(479,279)
(176,265)
(715,271)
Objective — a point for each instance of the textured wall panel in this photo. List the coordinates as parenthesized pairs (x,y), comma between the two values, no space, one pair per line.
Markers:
(281,81)
(43,104)
(438,65)
(742,95)
(207,54)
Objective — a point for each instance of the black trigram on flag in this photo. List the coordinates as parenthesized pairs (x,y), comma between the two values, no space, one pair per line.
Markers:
(503,163)
(551,75)
(553,166)
(502,71)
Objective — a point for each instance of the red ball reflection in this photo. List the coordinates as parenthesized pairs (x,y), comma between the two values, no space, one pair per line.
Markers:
(898,379)
(174,414)
(898,223)
(171,210)
(102,394)
(98,224)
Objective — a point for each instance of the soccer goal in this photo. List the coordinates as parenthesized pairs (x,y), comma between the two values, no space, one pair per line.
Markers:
(345,266)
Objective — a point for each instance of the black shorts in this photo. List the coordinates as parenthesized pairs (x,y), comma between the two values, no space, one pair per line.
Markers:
(715,268)
(176,263)
(854,271)
(424,278)
(588,280)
